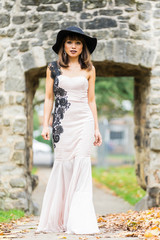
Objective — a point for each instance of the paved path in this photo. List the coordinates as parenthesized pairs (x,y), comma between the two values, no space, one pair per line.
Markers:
(104,202)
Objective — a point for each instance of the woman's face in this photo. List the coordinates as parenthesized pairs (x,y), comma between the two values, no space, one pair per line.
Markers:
(73,47)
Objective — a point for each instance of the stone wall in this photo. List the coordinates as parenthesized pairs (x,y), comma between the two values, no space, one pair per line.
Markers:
(128,33)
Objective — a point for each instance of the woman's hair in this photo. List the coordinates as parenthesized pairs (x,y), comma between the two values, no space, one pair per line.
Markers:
(84,57)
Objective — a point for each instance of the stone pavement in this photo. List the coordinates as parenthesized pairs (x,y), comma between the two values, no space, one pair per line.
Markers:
(104,202)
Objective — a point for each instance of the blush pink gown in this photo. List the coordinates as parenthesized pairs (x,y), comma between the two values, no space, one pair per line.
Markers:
(67,203)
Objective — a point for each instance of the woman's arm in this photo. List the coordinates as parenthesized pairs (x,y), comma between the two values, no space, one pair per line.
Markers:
(93,107)
(48,104)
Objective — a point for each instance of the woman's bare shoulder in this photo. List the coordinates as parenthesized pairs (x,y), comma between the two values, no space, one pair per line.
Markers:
(91,72)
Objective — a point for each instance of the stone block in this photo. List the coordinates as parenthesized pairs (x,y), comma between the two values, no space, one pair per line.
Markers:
(50,1)
(19,158)
(157,5)
(18,182)
(34,18)
(15,80)
(157,24)
(68,24)
(155,141)
(6,122)
(122,33)
(8,6)
(76,6)
(12,52)
(11,99)
(156,13)
(23,47)
(155,72)
(20,99)
(157,62)
(133,27)
(50,26)
(2,193)
(1,53)
(155,123)
(39,57)
(62,8)
(42,36)
(2,100)
(101,34)
(99,23)
(36,43)
(144,16)
(27,61)
(29,2)
(155,100)
(20,126)
(49,55)
(141,6)
(4,20)
(7,168)
(145,28)
(16,194)
(13,110)
(153,192)
(123,18)
(53,18)
(1,204)
(110,12)
(18,19)
(147,57)
(21,30)
(95,4)
(4,154)
(129,9)
(99,48)
(85,15)
(45,8)
(19,145)
(11,32)
(124,2)
(32,28)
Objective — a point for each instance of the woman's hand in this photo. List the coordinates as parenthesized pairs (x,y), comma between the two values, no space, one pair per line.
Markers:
(45,133)
(98,138)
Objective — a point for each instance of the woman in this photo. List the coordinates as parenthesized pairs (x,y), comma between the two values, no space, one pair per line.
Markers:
(67,204)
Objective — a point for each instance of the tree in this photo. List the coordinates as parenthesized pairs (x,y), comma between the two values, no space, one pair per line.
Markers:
(110,94)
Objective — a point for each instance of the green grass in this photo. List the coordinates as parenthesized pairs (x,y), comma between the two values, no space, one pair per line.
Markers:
(34,170)
(13,214)
(121,157)
(122,180)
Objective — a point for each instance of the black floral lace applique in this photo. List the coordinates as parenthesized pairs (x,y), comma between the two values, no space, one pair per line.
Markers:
(61,103)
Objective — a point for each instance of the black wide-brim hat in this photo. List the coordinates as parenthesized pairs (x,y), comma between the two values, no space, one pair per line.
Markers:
(90,41)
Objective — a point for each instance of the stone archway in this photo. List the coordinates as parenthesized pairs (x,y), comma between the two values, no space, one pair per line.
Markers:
(128,45)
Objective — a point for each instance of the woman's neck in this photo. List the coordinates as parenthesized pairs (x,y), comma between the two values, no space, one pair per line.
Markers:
(73,61)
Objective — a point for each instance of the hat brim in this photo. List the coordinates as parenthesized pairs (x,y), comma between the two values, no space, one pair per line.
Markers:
(91,42)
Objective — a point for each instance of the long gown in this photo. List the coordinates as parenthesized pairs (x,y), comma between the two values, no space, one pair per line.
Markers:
(67,203)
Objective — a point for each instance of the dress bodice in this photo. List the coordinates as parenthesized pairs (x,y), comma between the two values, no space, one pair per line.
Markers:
(75,88)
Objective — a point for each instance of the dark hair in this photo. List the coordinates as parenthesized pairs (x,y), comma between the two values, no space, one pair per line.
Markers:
(84,57)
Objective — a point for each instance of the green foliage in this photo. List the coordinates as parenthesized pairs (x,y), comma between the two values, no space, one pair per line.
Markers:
(110,92)
(34,170)
(36,123)
(13,214)
(40,139)
(122,180)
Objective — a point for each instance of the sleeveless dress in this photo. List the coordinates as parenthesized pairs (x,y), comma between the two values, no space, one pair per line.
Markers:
(67,203)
